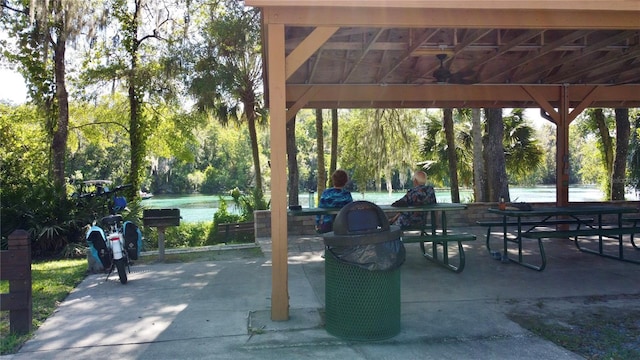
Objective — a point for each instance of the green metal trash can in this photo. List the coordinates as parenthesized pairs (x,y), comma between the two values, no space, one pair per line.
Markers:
(363,255)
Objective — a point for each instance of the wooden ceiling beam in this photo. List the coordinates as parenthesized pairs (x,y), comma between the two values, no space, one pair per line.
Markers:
(454,18)
(364,96)
(533,75)
(307,47)
(458,4)
(542,52)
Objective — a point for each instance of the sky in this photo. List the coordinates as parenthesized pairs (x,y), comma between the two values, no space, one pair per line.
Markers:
(12,86)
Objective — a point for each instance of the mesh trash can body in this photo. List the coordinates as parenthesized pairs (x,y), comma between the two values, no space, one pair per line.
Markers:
(362,274)
(361,304)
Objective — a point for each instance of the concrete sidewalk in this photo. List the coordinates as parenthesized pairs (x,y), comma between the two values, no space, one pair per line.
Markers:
(221,309)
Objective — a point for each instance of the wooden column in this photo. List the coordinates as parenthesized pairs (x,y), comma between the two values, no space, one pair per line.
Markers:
(277,112)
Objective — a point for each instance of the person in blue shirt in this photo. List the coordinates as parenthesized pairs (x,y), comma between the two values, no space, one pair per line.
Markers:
(420,194)
(334,197)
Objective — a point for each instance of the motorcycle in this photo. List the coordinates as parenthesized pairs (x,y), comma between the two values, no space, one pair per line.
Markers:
(115,243)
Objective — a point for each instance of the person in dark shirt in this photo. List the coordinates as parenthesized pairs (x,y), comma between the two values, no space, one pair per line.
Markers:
(335,197)
(420,194)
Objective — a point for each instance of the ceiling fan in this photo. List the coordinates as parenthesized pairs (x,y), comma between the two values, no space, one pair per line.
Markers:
(442,75)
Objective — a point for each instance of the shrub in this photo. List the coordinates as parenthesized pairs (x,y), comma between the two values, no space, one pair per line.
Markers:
(184,235)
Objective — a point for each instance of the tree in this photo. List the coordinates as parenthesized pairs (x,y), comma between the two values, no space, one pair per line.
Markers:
(376,142)
(495,157)
(128,55)
(334,143)
(43,29)
(226,76)
(322,171)
(523,153)
(436,148)
(634,154)
(479,174)
(452,158)
(292,162)
(597,122)
(618,174)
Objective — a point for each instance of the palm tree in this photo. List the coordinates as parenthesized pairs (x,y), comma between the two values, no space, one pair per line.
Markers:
(228,71)
(523,152)
(479,174)
(435,150)
(519,146)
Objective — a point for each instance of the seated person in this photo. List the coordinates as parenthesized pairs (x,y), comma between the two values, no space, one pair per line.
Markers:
(335,197)
(420,194)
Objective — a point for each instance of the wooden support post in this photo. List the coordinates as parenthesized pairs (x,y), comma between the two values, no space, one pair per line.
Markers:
(15,266)
(277,111)
(161,230)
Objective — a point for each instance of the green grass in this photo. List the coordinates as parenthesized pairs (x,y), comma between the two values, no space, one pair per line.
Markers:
(592,332)
(51,283)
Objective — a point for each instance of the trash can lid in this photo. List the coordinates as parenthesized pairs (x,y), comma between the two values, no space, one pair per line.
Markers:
(360,217)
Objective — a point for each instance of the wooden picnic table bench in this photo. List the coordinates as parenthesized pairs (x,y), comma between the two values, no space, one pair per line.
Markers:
(529,223)
(442,240)
(572,213)
(634,220)
(230,230)
(428,232)
(615,233)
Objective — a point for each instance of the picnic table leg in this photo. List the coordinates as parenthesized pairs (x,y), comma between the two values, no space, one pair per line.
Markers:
(487,241)
(620,247)
(635,223)
(445,247)
(519,239)
(505,255)
(434,224)
(600,248)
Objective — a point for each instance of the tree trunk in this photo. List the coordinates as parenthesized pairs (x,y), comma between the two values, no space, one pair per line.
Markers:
(322,174)
(137,127)
(292,160)
(251,121)
(607,147)
(622,148)
(334,143)
(496,165)
(136,137)
(61,131)
(479,179)
(452,157)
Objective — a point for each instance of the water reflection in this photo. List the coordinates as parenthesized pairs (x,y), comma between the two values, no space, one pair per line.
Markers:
(198,208)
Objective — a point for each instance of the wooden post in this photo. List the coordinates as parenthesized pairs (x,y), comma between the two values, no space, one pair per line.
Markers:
(15,266)
(277,111)
(161,243)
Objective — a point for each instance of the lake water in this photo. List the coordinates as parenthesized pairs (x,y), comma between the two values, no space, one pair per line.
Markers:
(199,208)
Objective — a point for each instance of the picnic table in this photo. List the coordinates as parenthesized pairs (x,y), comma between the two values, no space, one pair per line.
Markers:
(434,232)
(580,216)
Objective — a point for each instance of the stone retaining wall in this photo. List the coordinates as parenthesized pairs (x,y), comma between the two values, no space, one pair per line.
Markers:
(305,225)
